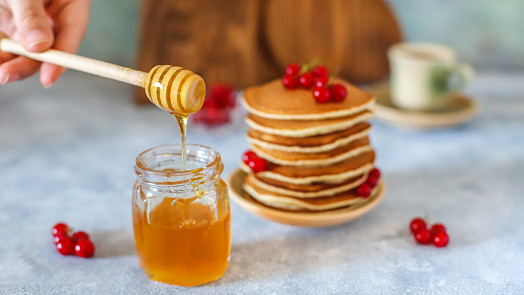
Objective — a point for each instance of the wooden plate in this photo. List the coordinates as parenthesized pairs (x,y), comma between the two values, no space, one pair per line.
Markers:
(306,219)
(460,109)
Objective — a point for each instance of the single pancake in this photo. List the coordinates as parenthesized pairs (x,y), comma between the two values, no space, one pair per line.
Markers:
(311,144)
(273,101)
(297,191)
(297,128)
(340,154)
(312,187)
(335,173)
(276,200)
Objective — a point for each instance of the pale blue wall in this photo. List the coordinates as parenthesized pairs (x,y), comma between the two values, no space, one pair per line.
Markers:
(487,33)
(113,31)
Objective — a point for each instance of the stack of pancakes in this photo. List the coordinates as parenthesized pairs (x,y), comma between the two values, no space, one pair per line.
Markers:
(316,154)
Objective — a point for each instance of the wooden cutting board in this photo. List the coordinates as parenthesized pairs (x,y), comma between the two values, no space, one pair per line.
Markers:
(352,34)
(245,43)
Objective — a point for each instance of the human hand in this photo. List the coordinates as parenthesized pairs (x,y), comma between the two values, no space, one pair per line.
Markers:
(40,25)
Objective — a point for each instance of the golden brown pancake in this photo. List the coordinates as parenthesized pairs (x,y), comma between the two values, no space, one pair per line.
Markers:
(277,200)
(273,101)
(310,141)
(352,149)
(297,191)
(312,187)
(298,128)
(335,173)
(350,164)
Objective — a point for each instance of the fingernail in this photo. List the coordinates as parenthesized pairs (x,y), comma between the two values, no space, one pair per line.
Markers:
(10,78)
(35,38)
(5,80)
(47,83)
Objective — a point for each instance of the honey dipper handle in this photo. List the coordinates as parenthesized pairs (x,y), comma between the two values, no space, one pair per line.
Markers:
(76,62)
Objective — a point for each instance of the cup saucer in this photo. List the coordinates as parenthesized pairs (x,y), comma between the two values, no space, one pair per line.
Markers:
(458,110)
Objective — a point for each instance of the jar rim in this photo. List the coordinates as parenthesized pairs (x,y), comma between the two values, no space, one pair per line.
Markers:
(140,164)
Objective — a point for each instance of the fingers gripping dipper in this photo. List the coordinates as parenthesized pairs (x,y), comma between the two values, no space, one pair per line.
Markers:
(171,88)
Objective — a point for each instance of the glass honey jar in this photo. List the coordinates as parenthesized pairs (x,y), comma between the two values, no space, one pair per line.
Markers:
(181,217)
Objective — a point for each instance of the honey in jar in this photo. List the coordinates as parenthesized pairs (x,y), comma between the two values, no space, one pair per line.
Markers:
(181,217)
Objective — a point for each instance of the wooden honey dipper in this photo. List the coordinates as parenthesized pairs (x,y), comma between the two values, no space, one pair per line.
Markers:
(171,88)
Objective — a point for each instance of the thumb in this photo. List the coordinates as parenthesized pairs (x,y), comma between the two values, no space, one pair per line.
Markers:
(32,24)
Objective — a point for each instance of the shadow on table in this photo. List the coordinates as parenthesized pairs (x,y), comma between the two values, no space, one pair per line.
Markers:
(298,250)
(113,243)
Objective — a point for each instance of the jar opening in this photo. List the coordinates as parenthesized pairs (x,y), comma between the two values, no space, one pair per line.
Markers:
(163,164)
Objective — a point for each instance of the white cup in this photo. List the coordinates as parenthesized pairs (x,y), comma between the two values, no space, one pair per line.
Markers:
(423,75)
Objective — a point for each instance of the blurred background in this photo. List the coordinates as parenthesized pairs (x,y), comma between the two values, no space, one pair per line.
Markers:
(487,34)
(68,154)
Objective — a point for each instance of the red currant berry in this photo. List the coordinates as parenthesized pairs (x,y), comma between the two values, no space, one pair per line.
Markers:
(363,190)
(85,248)
(338,92)
(60,229)
(374,173)
(292,69)
(290,81)
(423,237)
(437,228)
(440,239)
(322,94)
(417,224)
(80,235)
(215,116)
(371,182)
(257,165)
(65,245)
(321,81)
(321,71)
(306,80)
(248,156)
(221,95)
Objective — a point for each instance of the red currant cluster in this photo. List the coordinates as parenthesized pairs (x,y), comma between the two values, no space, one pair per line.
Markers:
(318,79)
(70,243)
(436,234)
(217,106)
(364,190)
(255,163)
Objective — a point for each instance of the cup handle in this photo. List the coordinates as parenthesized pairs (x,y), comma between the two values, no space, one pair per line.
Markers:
(459,76)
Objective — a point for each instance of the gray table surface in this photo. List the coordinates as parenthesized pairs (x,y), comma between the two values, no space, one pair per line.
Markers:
(67,154)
